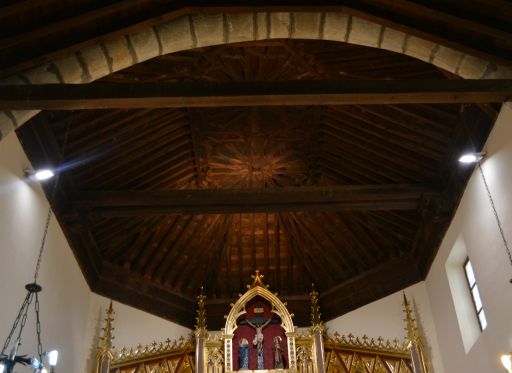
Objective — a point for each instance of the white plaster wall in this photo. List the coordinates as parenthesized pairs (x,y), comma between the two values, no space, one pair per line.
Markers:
(474,223)
(65,297)
(384,318)
(131,325)
(71,315)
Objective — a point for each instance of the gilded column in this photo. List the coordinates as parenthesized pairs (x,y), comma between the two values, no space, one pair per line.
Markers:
(105,351)
(317,330)
(200,333)
(416,346)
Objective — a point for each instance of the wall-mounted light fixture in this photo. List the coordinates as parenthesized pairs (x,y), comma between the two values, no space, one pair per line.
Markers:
(39,175)
(472,157)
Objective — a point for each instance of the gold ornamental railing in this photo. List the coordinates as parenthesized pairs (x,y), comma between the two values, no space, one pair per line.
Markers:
(350,354)
(166,357)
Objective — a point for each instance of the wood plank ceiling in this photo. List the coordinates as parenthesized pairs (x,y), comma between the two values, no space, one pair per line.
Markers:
(394,167)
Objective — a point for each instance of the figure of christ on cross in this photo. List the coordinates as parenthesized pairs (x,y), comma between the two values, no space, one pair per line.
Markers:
(258,340)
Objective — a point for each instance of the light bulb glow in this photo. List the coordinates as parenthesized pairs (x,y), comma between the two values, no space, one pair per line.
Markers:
(35,363)
(506,360)
(44,370)
(44,174)
(53,357)
(471,157)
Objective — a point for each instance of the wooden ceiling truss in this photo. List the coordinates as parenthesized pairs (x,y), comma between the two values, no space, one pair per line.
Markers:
(159,199)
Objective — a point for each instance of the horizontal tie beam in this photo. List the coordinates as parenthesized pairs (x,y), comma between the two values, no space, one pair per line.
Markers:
(208,201)
(280,93)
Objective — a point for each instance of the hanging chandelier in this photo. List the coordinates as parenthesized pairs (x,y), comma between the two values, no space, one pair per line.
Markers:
(9,355)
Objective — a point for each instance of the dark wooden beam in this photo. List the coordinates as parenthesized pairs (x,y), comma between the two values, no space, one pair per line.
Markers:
(206,201)
(285,93)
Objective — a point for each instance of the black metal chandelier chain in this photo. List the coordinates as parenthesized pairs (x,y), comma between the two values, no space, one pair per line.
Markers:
(25,315)
(38,329)
(41,249)
(21,317)
(500,227)
(33,289)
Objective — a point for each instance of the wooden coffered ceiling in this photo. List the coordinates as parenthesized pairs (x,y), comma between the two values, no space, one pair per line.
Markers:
(156,203)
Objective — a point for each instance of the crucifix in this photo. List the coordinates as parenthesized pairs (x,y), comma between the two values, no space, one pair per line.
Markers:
(258,323)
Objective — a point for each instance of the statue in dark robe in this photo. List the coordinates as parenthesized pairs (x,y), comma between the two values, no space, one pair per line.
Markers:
(243,354)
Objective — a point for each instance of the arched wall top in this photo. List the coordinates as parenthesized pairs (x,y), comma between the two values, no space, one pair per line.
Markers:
(258,289)
(201,30)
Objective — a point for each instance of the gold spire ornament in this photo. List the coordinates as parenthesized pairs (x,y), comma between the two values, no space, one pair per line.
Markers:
(201,312)
(105,352)
(316,316)
(415,345)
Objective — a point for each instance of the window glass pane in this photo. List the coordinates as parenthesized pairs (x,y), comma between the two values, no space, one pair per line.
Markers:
(482,319)
(476,298)
(470,274)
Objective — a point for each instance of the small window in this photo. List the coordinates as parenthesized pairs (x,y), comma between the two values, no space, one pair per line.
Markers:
(475,294)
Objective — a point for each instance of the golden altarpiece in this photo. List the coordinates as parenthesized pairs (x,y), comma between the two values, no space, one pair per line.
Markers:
(259,336)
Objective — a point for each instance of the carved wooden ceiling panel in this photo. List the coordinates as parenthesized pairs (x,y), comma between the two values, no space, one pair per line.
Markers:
(353,198)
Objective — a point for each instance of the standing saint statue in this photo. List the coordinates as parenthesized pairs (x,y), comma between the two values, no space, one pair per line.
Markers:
(243,354)
(258,340)
(278,353)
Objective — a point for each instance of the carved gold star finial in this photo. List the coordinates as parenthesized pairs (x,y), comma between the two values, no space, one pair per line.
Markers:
(257,280)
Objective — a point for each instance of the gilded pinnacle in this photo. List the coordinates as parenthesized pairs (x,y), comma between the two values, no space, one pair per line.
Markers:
(201,312)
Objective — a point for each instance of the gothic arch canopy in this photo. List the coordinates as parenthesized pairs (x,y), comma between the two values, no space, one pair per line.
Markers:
(258,288)
(200,30)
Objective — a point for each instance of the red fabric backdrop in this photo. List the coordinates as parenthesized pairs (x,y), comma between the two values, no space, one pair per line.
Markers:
(269,332)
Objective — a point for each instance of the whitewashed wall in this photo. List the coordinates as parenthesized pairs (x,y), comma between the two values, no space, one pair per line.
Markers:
(474,227)
(70,312)
(131,325)
(385,318)
(65,296)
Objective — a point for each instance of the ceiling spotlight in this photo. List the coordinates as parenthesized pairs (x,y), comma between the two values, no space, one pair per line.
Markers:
(471,157)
